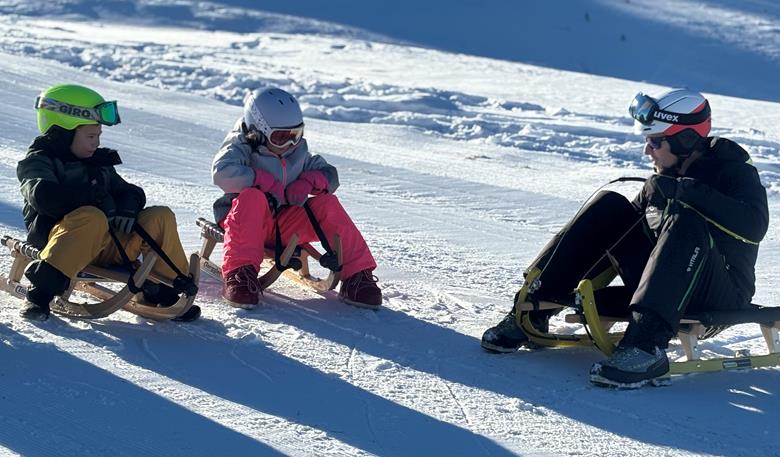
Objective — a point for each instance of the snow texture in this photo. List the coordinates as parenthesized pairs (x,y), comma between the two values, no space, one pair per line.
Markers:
(465,134)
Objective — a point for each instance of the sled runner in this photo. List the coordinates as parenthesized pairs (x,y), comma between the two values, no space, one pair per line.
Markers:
(291,260)
(92,279)
(692,328)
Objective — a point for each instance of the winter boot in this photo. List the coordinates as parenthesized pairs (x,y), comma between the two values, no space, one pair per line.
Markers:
(361,290)
(35,312)
(508,337)
(192,314)
(46,282)
(156,294)
(631,368)
(242,289)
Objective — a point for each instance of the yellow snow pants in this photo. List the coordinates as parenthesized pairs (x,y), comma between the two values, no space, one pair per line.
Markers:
(81,238)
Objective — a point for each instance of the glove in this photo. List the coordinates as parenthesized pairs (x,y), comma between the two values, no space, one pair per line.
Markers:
(266,182)
(108,207)
(662,187)
(308,183)
(122,223)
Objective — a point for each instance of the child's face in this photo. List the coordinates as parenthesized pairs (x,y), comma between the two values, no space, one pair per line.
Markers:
(279,151)
(86,140)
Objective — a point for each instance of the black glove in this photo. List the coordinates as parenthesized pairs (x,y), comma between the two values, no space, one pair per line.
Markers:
(660,189)
(122,223)
(108,207)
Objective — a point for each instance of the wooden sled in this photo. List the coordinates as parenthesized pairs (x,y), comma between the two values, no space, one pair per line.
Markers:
(693,327)
(293,256)
(91,281)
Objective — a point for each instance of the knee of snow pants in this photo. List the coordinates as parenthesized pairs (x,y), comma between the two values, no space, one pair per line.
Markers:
(249,227)
(160,223)
(608,223)
(246,225)
(333,220)
(76,240)
(685,268)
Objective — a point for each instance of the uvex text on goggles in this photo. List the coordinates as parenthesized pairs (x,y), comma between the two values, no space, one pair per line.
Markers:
(105,113)
(645,109)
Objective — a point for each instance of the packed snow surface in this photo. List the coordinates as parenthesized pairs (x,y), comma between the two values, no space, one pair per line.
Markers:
(456,166)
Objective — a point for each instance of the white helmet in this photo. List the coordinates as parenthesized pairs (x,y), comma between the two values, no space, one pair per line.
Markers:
(270,109)
(671,113)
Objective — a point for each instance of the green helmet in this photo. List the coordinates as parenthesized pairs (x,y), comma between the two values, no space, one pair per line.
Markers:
(70,105)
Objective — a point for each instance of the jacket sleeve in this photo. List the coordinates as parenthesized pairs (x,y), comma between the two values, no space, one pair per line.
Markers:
(129,198)
(741,209)
(317,162)
(43,191)
(231,169)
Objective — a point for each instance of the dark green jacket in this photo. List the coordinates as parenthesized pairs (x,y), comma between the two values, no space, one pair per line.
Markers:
(54,182)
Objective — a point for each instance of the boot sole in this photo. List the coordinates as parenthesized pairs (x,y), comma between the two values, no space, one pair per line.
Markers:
(241,305)
(505,350)
(655,382)
(360,305)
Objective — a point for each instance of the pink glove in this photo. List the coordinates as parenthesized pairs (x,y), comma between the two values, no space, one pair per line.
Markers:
(311,182)
(266,182)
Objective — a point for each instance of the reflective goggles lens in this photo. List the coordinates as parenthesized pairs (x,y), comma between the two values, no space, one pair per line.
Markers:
(655,141)
(105,113)
(642,108)
(282,138)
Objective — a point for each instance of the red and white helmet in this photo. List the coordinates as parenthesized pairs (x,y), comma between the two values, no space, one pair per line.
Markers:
(671,113)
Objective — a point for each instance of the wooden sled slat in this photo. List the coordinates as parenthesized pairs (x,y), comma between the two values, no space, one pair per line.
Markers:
(89,281)
(110,304)
(137,306)
(212,234)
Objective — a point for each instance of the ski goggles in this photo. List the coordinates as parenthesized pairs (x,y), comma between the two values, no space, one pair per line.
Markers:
(281,138)
(645,110)
(105,113)
(655,142)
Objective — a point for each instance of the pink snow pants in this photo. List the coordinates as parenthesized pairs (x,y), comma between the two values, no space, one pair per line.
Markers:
(249,227)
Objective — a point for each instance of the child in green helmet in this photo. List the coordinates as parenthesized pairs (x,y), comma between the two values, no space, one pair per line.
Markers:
(74,198)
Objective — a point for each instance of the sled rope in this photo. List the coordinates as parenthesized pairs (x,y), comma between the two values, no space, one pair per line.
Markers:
(128,263)
(182,282)
(330,259)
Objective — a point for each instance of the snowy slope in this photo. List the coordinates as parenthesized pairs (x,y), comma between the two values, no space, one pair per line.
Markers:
(456,168)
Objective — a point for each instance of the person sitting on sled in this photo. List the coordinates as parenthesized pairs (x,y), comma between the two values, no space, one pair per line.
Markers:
(73,197)
(687,242)
(267,173)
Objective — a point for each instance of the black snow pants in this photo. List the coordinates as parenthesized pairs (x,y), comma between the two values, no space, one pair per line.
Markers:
(665,274)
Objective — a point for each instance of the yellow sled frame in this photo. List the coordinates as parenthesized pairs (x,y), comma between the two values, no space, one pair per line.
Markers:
(597,332)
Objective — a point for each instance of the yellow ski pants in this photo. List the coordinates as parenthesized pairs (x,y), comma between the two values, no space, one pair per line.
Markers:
(81,238)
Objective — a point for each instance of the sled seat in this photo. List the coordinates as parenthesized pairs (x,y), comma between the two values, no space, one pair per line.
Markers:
(294,259)
(88,281)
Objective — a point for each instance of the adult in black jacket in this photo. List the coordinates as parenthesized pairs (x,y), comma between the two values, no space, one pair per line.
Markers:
(73,194)
(687,242)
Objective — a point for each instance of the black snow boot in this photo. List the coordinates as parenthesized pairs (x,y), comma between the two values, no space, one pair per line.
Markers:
(192,314)
(35,312)
(640,358)
(631,368)
(506,336)
(46,282)
(156,294)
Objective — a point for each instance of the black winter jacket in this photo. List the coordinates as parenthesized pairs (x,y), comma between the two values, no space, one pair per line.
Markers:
(54,182)
(727,192)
